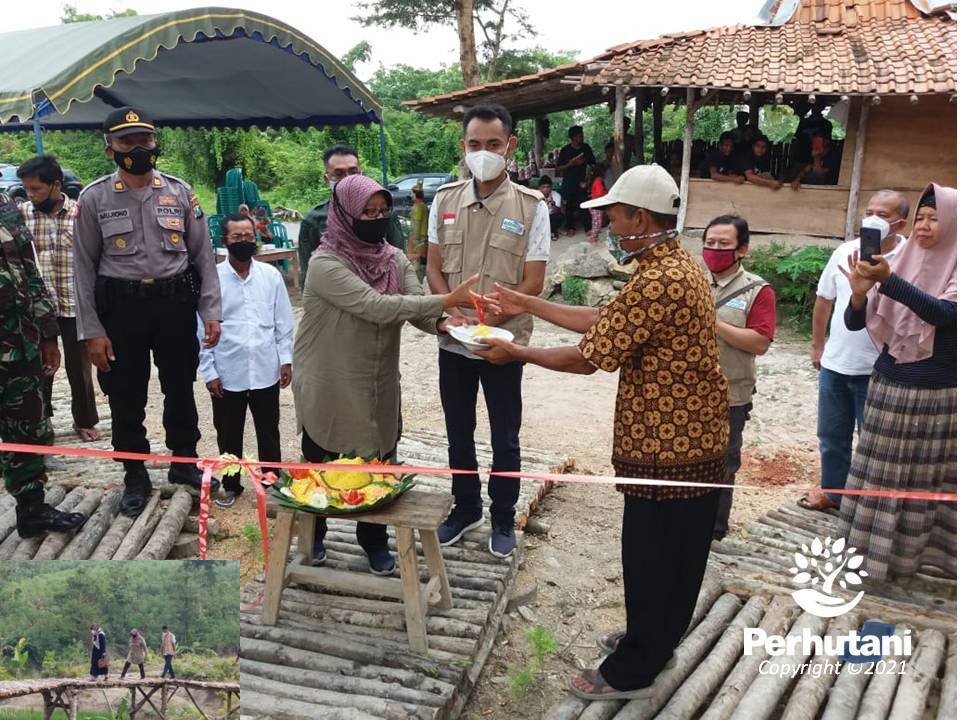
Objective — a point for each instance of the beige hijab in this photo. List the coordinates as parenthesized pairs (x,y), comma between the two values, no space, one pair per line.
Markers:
(933,270)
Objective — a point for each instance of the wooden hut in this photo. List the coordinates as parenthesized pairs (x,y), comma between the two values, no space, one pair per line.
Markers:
(892,63)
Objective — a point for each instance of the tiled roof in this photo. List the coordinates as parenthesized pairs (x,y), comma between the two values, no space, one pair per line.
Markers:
(828,46)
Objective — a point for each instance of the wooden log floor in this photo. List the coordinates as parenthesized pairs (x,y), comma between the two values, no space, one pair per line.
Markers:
(346,656)
(748,584)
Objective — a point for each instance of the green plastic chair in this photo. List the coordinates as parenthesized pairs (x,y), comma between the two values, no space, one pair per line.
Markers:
(228,200)
(251,194)
(213,226)
(234,179)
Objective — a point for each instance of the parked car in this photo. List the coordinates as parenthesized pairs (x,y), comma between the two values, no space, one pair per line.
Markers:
(11,185)
(402,189)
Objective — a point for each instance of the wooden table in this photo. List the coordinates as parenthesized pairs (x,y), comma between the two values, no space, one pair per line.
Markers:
(276,255)
(414,510)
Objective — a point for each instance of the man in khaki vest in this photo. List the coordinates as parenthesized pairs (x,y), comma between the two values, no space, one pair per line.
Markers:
(746,319)
(499,230)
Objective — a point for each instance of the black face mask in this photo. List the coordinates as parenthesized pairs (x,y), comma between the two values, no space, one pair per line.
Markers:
(370,231)
(243,250)
(47,205)
(138,161)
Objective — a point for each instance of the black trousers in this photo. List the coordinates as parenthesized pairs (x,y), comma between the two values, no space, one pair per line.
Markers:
(572,210)
(229,418)
(126,666)
(738,416)
(460,378)
(555,223)
(370,536)
(167,328)
(168,666)
(664,545)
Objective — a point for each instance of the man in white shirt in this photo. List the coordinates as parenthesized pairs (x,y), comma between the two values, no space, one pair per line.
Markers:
(554,205)
(846,359)
(253,359)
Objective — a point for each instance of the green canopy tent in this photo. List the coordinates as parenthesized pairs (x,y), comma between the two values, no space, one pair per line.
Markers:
(203,67)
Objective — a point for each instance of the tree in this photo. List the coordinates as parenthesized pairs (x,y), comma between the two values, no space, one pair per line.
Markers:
(489,15)
(358,53)
(72,15)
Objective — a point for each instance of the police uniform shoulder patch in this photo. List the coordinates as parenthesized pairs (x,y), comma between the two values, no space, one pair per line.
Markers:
(195,206)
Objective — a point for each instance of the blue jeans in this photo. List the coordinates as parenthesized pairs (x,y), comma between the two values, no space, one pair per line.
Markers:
(839,413)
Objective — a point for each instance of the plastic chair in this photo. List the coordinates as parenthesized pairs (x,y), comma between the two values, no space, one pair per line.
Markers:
(251,194)
(234,179)
(213,226)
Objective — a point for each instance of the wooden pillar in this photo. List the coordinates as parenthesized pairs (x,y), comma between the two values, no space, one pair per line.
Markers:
(618,131)
(853,200)
(755,112)
(657,127)
(538,140)
(74,703)
(638,129)
(48,706)
(132,710)
(687,153)
(164,699)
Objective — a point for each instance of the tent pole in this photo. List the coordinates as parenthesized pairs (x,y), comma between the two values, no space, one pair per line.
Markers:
(37,136)
(687,152)
(853,200)
(383,153)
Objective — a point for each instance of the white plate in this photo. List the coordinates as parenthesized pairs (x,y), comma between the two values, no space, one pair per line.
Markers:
(464,335)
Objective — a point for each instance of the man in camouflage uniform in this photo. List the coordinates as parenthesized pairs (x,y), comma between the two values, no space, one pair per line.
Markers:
(28,352)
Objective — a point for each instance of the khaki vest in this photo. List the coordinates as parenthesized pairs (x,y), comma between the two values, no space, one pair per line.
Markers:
(487,238)
(740,367)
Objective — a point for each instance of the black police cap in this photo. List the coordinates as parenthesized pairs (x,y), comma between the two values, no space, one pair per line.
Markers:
(127,120)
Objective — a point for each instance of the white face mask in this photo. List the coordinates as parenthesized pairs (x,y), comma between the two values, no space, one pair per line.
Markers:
(485,165)
(877,223)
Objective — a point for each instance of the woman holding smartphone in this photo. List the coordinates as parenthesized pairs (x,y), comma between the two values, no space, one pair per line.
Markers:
(908,440)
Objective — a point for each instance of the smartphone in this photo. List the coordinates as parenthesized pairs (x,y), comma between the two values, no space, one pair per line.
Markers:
(869,244)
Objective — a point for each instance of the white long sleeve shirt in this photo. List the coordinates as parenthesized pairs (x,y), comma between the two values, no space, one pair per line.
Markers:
(256,335)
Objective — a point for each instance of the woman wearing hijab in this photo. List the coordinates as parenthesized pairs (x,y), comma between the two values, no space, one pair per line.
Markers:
(358,294)
(908,440)
(137,654)
(98,652)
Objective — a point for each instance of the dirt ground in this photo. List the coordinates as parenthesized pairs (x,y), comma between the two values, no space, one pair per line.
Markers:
(576,568)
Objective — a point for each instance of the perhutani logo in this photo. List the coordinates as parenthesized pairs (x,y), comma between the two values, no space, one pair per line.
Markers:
(821,567)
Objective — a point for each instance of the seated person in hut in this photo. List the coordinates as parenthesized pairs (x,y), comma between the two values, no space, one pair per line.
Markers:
(744,134)
(721,164)
(754,164)
(823,167)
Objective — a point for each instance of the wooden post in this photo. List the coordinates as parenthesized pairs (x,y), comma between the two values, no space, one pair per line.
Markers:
(132,710)
(410,580)
(657,127)
(618,131)
(755,112)
(277,566)
(854,199)
(638,129)
(538,140)
(687,152)
(164,700)
(74,703)
(48,706)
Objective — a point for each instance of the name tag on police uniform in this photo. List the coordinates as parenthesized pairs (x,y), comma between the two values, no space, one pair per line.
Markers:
(513,226)
(737,303)
(106,215)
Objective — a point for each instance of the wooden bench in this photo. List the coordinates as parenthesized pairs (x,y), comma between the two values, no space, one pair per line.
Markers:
(414,510)
(276,255)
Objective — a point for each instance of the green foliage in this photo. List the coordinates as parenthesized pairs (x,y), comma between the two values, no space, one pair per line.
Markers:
(72,15)
(793,273)
(358,53)
(58,601)
(573,290)
(542,643)
(251,533)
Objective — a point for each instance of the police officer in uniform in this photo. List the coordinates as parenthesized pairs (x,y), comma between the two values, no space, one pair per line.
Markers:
(144,268)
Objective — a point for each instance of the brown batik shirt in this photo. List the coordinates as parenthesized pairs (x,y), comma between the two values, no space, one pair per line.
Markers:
(670,421)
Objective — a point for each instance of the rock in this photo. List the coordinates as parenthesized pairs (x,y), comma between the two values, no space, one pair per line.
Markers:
(192,525)
(537,527)
(551,562)
(612,576)
(621,272)
(598,292)
(527,614)
(582,260)
(524,593)
(618,284)
(187,545)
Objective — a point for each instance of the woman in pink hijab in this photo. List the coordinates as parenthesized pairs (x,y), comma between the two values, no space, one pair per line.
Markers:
(909,437)
(359,293)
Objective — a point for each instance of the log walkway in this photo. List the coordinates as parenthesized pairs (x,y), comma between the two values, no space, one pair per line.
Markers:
(748,584)
(64,694)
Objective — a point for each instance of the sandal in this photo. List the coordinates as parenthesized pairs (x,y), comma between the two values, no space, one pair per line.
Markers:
(818,502)
(608,644)
(600,690)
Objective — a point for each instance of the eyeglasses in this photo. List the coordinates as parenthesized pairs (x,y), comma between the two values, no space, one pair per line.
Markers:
(371,214)
(245,236)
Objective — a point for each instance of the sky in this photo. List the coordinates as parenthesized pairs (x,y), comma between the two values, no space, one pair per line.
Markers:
(586,28)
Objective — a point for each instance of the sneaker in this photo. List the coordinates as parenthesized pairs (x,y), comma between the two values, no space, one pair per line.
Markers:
(191,477)
(503,541)
(456,524)
(319,553)
(228,499)
(381,562)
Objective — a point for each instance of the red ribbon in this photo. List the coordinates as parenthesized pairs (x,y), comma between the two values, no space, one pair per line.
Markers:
(211,465)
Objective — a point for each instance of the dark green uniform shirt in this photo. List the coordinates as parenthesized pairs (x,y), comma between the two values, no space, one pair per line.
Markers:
(27,312)
(314,225)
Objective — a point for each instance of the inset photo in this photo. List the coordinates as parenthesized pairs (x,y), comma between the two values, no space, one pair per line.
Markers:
(119,640)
